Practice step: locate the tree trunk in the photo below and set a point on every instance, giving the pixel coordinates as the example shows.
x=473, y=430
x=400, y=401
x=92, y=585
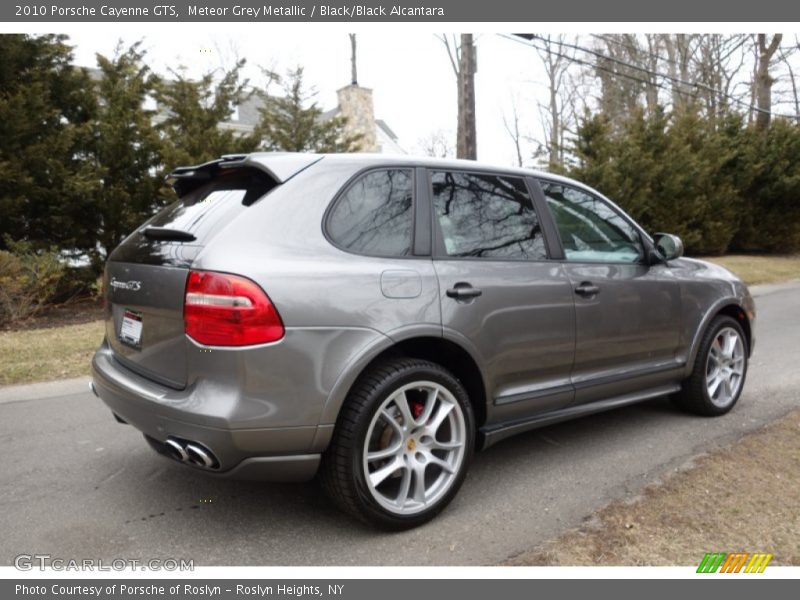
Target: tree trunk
x=555, y=126
x=764, y=81
x=467, y=142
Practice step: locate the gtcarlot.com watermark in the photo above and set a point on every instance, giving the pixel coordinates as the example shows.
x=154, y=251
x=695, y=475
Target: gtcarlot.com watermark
x=42, y=562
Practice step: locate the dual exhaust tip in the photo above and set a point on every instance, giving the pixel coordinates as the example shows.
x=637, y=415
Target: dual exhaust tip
x=193, y=453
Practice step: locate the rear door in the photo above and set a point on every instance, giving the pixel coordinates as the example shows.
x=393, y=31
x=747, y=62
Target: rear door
x=628, y=313
x=145, y=276
x=499, y=294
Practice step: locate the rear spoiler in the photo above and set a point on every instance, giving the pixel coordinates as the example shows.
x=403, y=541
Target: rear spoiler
x=280, y=166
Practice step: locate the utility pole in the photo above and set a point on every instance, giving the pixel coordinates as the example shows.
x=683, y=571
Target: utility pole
x=467, y=140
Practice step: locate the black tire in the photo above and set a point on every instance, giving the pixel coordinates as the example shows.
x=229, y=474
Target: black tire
x=694, y=395
x=342, y=471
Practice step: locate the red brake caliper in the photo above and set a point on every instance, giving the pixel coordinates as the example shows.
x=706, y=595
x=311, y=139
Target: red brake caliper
x=417, y=408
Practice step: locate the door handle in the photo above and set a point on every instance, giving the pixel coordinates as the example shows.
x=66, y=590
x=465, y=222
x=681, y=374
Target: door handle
x=587, y=288
x=463, y=291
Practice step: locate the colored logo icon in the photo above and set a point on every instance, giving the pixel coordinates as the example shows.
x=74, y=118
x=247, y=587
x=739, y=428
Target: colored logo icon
x=736, y=562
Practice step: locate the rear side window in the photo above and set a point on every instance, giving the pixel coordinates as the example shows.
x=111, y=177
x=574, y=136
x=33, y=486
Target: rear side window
x=375, y=215
x=486, y=216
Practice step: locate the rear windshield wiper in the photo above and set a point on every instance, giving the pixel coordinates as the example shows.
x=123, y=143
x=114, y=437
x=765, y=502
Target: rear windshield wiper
x=165, y=234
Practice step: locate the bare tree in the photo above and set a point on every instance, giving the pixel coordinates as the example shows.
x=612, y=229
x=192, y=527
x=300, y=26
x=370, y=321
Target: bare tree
x=464, y=62
x=785, y=55
x=718, y=62
x=437, y=144
x=512, y=127
x=556, y=58
x=681, y=50
x=763, y=80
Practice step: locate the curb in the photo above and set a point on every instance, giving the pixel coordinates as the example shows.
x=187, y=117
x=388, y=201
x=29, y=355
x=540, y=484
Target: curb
x=44, y=390
x=764, y=289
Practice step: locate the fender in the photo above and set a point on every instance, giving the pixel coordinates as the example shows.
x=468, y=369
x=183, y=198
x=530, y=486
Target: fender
x=709, y=315
x=368, y=353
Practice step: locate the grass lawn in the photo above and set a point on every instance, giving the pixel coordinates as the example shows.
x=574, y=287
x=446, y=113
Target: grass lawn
x=760, y=269
x=740, y=499
x=51, y=353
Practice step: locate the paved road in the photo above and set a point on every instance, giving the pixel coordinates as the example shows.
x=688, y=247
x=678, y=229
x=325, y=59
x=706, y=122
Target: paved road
x=76, y=484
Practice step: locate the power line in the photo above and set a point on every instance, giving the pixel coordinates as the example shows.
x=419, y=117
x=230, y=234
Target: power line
x=598, y=67
x=634, y=47
x=528, y=40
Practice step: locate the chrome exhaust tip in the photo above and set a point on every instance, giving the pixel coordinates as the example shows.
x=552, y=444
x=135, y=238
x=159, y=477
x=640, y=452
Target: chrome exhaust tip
x=176, y=450
x=199, y=456
x=193, y=453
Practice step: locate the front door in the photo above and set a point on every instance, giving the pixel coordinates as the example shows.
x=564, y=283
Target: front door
x=627, y=312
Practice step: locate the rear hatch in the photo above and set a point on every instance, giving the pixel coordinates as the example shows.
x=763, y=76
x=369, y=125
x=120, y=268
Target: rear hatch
x=145, y=276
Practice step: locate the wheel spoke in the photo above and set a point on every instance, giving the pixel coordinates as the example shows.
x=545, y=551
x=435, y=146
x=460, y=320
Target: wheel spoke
x=430, y=404
x=727, y=388
x=437, y=445
x=377, y=477
x=386, y=452
x=405, y=485
x=443, y=464
x=714, y=384
x=401, y=401
x=730, y=344
x=389, y=418
x=419, y=483
x=445, y=408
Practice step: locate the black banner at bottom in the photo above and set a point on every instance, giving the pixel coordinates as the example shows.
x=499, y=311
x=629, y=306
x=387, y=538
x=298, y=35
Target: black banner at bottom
x=396, y=589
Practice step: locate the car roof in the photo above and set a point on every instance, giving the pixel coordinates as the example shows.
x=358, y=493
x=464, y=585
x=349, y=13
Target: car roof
x=374, y=159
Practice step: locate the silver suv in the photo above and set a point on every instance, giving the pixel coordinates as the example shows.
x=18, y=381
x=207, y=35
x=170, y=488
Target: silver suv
x=377, y=319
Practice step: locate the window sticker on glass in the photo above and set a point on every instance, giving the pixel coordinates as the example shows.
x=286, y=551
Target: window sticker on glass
x=130, y=331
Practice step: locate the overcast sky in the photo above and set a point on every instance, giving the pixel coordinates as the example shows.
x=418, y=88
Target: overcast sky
x=410, y=73
x=407, y=68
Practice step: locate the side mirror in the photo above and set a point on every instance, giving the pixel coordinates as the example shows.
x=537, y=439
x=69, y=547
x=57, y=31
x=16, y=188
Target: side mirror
x=668, y=246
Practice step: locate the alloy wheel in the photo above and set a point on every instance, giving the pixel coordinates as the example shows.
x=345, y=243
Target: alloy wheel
x=725, y=367
x=414, y=447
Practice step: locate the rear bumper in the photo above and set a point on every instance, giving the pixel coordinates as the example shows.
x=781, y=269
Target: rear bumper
x=299, y=467
x=161, y=413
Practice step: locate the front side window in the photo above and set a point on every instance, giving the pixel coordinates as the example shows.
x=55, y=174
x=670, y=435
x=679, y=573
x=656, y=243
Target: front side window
x=375, y=215
x=590, y=230
x=486, y=216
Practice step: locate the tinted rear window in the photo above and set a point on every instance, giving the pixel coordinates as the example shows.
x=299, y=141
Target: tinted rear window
x=203, y=212
x=375, y=215
x=199, y=211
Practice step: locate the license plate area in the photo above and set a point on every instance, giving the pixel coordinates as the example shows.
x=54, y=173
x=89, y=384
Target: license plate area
x=130, y=330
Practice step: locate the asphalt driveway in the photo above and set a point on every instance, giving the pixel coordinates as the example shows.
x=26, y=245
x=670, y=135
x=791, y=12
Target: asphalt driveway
x=75, y=484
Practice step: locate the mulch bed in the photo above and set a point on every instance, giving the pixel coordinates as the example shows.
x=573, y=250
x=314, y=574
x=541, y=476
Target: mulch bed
x=71, y=313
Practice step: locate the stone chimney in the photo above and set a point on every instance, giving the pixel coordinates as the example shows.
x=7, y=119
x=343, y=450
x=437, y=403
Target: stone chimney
x=355, y=104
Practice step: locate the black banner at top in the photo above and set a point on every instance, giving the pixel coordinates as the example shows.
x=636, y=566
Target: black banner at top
x=264, y=11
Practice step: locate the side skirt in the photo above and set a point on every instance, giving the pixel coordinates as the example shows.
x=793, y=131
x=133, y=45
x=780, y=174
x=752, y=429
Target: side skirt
x=488, y=436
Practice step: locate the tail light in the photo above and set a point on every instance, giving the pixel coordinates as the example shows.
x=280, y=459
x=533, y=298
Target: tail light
x=228, y=310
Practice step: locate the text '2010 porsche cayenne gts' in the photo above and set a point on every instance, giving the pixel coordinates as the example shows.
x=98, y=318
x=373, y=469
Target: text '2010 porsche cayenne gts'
x=376, y=320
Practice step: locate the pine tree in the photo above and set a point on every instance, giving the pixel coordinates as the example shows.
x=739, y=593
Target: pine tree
x=293, y=122
x=47, y=185
x=193, y=111
x=127, y=148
